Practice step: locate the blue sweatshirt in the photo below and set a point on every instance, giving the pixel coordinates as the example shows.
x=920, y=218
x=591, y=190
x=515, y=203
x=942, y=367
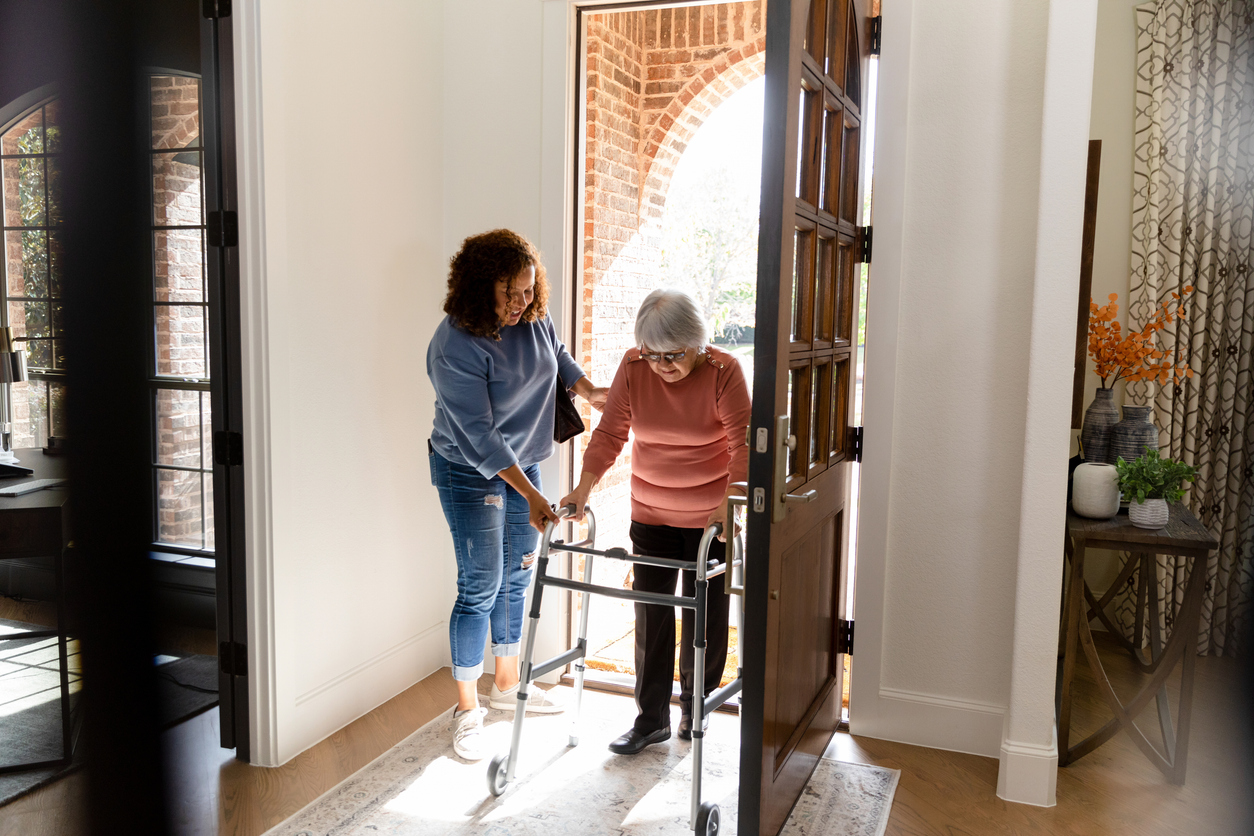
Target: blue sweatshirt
x=494, y=400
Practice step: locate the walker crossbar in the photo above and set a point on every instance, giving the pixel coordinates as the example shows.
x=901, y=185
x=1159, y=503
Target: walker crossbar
x=704, y=817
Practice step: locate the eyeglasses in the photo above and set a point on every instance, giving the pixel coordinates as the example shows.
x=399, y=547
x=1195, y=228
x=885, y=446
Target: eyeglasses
x=670, y=356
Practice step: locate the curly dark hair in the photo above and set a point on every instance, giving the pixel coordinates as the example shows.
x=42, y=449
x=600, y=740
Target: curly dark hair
x=484, y=260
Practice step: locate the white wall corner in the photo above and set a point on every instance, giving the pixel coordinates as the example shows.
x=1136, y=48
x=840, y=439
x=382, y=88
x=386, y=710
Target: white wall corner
x=1028, y=752
x=1027, y=773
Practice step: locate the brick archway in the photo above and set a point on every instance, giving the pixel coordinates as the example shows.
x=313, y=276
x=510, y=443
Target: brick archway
x=653, y=77
x=669, y=136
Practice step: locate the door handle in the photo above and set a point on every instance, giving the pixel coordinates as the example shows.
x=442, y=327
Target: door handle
x=785, y=444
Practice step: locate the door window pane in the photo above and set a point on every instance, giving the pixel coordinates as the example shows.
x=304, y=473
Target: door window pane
x=840, y=401
x=816, y=30
x=820, y=429
x=26, y=137
x=824, y=291
x=179, y=265
x=838, y=17
x=849, y=176
x=809, y=144
x=178, y=427
x=181, y=348
x=176, y=189
x=180, y=516
x=26, y=262
x=802, y=287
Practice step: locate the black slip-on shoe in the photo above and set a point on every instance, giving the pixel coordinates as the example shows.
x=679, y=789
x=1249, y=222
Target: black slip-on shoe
x=633, y=741
x=685, y=725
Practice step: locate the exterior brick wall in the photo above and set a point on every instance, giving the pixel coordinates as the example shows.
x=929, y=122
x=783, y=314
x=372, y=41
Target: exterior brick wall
x=653, y=77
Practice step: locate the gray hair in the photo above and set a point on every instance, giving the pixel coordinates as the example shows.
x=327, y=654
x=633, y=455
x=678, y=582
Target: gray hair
x=669, y=320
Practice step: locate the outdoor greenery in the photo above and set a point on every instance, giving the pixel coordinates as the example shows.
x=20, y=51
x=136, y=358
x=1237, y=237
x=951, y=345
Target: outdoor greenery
x=38, y=206
x=1152, y=477
x=710, y=247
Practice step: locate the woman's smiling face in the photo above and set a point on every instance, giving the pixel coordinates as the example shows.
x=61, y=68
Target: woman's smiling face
x=513, y=296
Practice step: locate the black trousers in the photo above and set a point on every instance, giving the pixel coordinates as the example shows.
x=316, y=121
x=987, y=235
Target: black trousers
x=655, y=624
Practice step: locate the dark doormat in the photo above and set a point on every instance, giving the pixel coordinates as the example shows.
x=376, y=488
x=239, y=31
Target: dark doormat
x=30, y=703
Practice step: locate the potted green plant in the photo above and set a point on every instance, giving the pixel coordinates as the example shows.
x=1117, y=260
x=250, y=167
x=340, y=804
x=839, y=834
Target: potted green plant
x=1150, y=483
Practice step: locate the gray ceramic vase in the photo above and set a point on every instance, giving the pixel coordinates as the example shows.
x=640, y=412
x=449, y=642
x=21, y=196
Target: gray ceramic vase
x=1130, y=437
x=1098, y=419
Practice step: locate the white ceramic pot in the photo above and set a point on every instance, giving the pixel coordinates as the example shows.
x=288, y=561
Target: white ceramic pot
x=1095, y=491
x=1150, y=514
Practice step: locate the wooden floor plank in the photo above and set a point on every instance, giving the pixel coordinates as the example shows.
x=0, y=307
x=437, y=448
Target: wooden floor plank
x=1112, y=791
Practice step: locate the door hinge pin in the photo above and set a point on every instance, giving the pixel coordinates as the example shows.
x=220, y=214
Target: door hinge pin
x=877, y=28
x=844, y=637
x=864, y=244
x=855, y=444
x=222, y=229
x=228, y=448
x=215, y=9
x=233, y=658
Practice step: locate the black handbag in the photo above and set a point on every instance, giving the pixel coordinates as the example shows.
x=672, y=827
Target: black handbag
x=567, y=422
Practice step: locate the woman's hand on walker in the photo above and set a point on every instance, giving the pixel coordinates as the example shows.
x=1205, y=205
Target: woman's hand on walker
x=579, y=496
x=540, y=512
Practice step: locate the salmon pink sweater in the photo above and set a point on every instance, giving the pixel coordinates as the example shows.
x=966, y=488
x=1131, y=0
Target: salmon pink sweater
x=689, y=437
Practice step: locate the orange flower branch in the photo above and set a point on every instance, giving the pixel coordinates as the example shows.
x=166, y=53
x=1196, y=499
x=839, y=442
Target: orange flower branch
x=1133, y=356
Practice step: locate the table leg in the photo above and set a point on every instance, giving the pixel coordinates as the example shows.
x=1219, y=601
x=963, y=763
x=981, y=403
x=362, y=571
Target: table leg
x=1075, y=602
x=1150, y=574
x=1142, y=586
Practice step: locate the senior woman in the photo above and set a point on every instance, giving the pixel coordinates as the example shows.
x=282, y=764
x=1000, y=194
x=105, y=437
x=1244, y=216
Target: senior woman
x=688, y=406
x=494, y=362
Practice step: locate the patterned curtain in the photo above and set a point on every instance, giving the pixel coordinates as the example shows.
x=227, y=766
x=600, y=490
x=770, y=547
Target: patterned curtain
x=1193, y=224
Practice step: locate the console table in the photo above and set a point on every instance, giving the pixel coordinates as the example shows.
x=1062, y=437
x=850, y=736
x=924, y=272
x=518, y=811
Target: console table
x=1184, y=536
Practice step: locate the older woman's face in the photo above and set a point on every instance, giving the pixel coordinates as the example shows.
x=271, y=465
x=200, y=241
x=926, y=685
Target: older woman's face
x=514, y=296
x=672, y=369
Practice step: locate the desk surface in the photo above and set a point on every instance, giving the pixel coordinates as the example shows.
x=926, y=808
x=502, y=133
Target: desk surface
x=1183, y=530
x=45, y=467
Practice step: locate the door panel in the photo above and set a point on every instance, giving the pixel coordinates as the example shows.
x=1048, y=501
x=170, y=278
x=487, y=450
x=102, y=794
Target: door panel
x=804, y=357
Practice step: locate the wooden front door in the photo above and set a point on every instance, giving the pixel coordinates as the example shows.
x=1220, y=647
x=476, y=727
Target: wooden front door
x=805, y=357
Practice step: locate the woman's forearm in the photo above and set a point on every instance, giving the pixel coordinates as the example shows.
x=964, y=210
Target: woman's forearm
x=516, y=479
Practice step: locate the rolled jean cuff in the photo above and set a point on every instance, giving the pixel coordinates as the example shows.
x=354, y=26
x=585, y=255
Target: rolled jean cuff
x=506, y=649
x=469, y=674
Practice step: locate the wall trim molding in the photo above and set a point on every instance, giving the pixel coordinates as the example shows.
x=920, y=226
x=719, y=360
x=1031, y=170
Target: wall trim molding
x=1027, y=773
x=938, y=722
x=256, y=385
x=382, y=656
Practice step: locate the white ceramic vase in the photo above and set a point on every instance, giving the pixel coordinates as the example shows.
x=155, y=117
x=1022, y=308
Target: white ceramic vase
x=1095, y=490
x=1152, y=513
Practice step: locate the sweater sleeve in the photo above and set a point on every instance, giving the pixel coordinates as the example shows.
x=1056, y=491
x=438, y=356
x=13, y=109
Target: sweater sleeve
x=615, y=425
x=462, y=387
x=735, y=412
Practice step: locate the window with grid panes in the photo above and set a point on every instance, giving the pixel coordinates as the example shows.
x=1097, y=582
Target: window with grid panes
x=179, y=371
x=29, y=156
x=825, y=257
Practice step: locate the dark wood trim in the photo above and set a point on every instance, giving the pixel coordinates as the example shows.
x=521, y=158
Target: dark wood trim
x=1086, y=280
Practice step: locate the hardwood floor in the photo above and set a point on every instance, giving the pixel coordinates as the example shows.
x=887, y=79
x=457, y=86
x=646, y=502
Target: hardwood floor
x=1112, y=791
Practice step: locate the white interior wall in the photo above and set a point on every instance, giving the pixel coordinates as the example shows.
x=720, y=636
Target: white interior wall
x=343, y=254
x=938, y=538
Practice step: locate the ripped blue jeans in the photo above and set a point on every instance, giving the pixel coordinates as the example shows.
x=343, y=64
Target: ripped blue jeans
x=492, y=537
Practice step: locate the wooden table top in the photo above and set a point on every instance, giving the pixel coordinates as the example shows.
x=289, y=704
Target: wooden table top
x=1183, y=530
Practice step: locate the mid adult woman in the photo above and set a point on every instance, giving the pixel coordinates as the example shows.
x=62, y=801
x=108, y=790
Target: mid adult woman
x=494, y=361
x=688, y=406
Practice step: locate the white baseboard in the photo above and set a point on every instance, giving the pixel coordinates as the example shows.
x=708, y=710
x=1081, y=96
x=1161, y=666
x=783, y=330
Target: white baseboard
x=935, y=722
x=323, y=710
x=1028, y=773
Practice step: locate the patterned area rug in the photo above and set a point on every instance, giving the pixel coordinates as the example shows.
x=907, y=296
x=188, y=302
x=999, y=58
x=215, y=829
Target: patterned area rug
x=420, y=787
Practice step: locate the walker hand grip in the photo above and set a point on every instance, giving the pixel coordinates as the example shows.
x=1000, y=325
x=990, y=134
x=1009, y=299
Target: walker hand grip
x=566, y=511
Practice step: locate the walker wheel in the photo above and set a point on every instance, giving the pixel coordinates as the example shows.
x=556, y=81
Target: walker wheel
x=707, y=819
x=497, y=770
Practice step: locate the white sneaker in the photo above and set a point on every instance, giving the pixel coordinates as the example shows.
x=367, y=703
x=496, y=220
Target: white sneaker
x=539, y=701
x=469, y=741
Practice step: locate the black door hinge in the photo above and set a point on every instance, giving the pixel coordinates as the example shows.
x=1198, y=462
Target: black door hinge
x=855, y=444
x=223, y=229
x=877, y=25
x=844, y=637
x=228, y=448
x=864, y=245
x=233, y=658
x=215, y=9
